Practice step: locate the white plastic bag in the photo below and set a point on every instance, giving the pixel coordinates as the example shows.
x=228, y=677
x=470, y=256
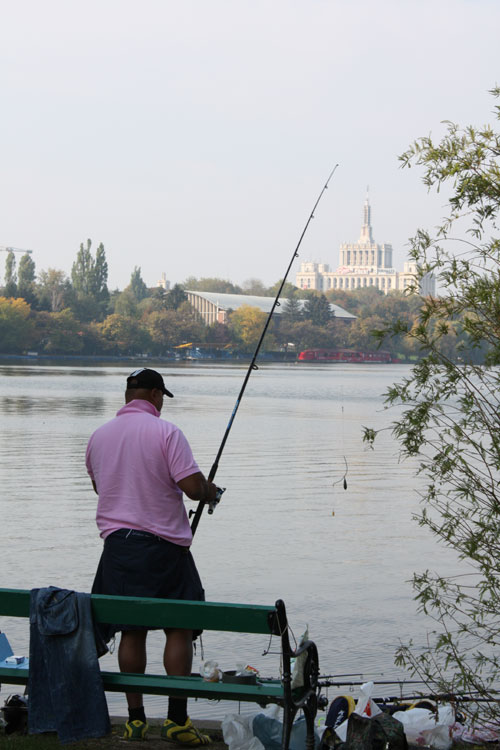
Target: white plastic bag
x=365, y=706
x=423, y=727
x=238, y=733
x=237, y=730
x=298, y=663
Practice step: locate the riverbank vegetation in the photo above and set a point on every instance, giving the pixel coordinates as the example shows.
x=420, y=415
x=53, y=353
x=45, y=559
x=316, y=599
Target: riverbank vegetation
x=52, y=314
x=450, y=419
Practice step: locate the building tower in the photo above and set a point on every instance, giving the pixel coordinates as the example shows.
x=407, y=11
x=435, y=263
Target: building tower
x=362, y=264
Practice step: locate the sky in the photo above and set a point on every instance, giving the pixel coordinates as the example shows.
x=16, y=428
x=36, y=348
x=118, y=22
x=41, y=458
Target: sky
x=192, y=137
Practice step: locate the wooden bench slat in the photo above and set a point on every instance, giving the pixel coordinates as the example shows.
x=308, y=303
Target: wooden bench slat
x=16, y=676
x=266, y=692
x=161, y=613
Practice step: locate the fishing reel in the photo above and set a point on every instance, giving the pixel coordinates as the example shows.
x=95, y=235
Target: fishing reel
x=214, y=503
x=211, y=504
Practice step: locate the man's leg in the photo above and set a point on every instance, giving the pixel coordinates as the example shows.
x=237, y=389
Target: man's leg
x=178, y=660
x=132, y=658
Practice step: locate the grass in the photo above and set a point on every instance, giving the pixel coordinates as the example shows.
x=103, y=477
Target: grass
x=114, y=740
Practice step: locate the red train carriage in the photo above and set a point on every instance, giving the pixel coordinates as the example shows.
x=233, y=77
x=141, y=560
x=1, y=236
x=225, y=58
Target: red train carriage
x=345, y=355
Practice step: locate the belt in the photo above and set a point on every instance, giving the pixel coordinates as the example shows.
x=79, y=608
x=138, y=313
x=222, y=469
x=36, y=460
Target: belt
x=126, y=533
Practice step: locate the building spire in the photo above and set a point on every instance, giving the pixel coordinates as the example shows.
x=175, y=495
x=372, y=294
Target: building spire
x=366, y=236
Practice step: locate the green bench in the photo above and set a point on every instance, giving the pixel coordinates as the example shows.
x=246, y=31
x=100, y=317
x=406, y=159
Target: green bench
x=168, y=613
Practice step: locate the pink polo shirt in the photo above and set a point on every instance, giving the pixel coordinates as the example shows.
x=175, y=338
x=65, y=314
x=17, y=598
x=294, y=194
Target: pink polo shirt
x=136, y=460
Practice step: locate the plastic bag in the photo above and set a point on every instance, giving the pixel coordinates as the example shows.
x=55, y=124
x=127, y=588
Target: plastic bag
x=299, y=662
x=365, y=706
x=477, y=735
x=210, y=671
x=262, y=731
x=269, y=731
x=238, y=733
x=423, y=727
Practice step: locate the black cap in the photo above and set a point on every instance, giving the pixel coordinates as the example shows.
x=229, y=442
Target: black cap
x=149, y=379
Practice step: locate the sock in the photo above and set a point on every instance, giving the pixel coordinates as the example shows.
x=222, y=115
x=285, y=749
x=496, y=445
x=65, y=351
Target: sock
x=137, y=714
x=177, y=710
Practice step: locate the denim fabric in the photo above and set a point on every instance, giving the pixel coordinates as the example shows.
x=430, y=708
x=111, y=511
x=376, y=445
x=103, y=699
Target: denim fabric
x=65, y=692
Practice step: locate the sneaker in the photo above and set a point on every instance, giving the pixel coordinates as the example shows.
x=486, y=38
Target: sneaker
x=135, y=730
x=185, y=734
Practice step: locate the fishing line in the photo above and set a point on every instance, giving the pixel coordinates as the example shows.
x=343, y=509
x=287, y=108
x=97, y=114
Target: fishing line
x=344, y=478
x=252, y=366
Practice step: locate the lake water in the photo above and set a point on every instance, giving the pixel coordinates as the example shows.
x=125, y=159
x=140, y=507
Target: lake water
x=286, y=528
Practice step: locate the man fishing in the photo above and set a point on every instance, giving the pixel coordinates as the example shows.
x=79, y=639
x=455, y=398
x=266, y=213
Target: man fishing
x=140, y=466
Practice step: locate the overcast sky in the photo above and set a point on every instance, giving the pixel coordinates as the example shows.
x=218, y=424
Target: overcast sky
x=193, y=137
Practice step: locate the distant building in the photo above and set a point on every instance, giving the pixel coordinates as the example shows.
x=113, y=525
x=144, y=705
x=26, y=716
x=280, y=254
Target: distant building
x=213, y=307
x=363, y=264
x=164, y=282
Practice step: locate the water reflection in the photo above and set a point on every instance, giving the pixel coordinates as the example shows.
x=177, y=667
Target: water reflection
x=25, y=404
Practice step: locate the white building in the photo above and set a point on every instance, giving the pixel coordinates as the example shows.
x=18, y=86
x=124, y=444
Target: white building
x=164, y=282
x=214, y=306
x=363, y=264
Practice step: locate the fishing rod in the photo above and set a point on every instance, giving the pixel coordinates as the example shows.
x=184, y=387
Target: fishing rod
x=252, y=366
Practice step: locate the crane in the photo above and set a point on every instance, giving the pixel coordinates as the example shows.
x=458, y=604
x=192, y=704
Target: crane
x=14, y=250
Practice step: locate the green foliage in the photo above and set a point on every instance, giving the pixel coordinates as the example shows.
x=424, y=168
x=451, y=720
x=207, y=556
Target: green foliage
x=169, y=328
x=304, y=334
x=287, y=291
x=89, y=278
x=175, y=297
x=59, y=333
x=52, y=289
x=125, y=303
x=10, y=289
x=247, y=324
x=16, y=325
x=223, y=286
x=26, y=279
x=254, y=287
x=122, y=335
x=137, y=285
x=317, y=310
x=450, y=419
x=292, y=311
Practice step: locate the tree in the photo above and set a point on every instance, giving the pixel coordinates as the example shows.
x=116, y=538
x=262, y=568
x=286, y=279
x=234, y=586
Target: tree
x=26, y=279
x=121, y=335
x=223, y=286
x=59, y=332
x=292, y=310
x=137, y=285
x=287, y=291
x=168, y=328
x=16, y=325
x=53, y=287
x=89, y=277
x=254, y=287
x=125, y=303
x=450, y=414
x=10, y=289
x=175, y=297
x=317, y=310
x=305, y=335
x=360, y=332
x=247, y=323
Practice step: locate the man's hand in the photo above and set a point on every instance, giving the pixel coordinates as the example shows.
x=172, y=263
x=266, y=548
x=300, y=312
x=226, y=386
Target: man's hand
x=196, y=487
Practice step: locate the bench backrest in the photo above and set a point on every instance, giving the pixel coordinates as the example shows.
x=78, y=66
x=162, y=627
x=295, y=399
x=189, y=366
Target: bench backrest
x=165, y=613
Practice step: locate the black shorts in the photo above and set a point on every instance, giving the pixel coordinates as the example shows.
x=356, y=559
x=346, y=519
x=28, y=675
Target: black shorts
x=137, y=563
